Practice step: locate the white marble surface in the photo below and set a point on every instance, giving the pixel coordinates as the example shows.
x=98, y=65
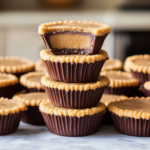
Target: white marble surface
x=39, y=138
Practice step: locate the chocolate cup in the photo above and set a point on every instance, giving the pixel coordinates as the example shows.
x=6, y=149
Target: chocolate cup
x=127, y=91
x=107, y=120
x=131, y=126
x=33, y=116
x=9, y=123
x=74, y=99
x=95, y=44
x=8, y=91
x=142, y=77
x=74, y=72
x=73, y=126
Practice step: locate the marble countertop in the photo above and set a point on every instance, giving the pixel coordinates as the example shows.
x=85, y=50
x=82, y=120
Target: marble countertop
x=39, y=138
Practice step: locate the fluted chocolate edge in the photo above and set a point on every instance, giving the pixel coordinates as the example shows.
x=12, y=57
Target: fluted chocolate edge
x=131, y=126
x=74, y=99
x=127, y=91
x=8, y=91
x=142, y=77
x=33, y=116
x=73, y=126
x=74, y=72
x=9, y=123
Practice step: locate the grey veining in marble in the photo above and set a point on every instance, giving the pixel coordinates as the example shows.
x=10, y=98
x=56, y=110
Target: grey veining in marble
x=39, y=138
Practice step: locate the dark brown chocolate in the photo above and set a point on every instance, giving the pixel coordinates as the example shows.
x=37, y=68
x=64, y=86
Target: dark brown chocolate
x=73, y=126
x=9, y=123
x=127, y=91
x=33, y=116
x=74, y=72
x=142, y=77
x=74, y=99
x=95, y=45
x=107, y=120
x=131, y=126
x=8, y=91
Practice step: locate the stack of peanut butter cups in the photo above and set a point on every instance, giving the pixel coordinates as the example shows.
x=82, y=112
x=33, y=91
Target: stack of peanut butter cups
x=73, y=61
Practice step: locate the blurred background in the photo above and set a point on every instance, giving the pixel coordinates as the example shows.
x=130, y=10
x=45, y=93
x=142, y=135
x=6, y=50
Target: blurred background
x=129, y=21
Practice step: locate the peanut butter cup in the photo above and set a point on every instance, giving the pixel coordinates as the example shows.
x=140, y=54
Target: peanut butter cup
x=74, y=95
x=139, y=66
x=131, y=116
x=8, y=85
x=39, y=66
x=10, y=115
x=74, y=68
x=16, y=65
x=32, y=101
x=72, y=122
x=106, y=99
x=112, y=64
x=121, y=83
x=73, y=37
x=31, y=81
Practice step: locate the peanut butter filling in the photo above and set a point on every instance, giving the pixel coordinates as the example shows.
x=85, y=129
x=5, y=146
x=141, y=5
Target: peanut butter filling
x=12, y=63
x=102, y=55
x=34, y=96
x=32, y=80
x=36, y=78
x=139, y=105
x=7, y=79
x=2, y=77
x=32, y=99
x=112, y=64
x=7, y=104
x=48, y=108
x=10, y=107
x=120, y=79
x=87, y=27
x=107, y=98
x=101, y=82
x=131, y=107
x=142, y=61
x=70, y=41
x=15, y=65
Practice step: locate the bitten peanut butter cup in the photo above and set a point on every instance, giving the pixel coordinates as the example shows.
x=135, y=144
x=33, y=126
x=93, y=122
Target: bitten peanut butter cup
x=74, y=95
x=74, y=68
x=32, y=101
x=106, y=99
x=112, y=64
x=31, y=82
x=72, y=122
x=73, y=37
x=140, y=67
x=131, y=116
x=8, y=85
x=121, y=83
x=16, y=65
x=10, y=115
